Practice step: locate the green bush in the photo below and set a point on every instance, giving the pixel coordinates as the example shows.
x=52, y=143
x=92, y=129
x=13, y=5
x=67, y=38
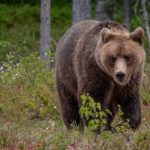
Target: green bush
x=92, y=112
x=27, y=87
x=19, y=29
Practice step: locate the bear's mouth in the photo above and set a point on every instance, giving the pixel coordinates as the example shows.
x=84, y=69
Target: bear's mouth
x=122, y=83
x=121, y=80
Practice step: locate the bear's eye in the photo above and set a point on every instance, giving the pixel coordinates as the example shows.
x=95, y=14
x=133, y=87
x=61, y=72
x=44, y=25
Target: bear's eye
x=112, y=59
x=127, y=58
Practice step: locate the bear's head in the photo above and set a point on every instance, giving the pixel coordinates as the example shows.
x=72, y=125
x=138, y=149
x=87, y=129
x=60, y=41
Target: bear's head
x=120, y=54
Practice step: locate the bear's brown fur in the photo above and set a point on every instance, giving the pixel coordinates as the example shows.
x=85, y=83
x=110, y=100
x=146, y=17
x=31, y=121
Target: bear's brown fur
x=104, y=60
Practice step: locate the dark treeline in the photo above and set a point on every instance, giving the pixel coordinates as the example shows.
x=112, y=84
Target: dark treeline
x=32, y=2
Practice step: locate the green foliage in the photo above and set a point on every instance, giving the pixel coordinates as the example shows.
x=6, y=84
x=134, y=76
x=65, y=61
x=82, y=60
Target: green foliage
x=17, y=34
x=146, y=85
x=146, y=97
x=4, y=138
x=14, y=49
x=61, y=20
x=92, y=112
x=117, y=14
x=142, y=140
x=20, y=27
x=27, y=87
x=122, y=126
x=96, y=118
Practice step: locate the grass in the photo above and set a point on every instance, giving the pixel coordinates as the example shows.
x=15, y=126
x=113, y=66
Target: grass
x=29, y=114
x=50, y=134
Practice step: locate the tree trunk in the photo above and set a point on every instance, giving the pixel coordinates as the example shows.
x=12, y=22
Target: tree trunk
x=81, y=10
x=45, y=30
x=101, y=10
x=146, y=23
x=127, y=11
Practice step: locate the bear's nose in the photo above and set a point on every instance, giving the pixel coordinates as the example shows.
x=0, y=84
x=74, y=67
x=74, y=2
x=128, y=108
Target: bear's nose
x=120, y=76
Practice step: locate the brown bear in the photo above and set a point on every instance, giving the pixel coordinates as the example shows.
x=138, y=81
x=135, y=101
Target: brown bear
x=104, y=60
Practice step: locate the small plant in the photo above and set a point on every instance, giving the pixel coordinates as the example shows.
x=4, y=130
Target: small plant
x=4, y=138
x=146, y=96
x=92, y=112
x=123, y=126
x=27, y=88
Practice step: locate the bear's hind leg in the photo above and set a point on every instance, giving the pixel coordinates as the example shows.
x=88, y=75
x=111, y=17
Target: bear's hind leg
x=69, y=106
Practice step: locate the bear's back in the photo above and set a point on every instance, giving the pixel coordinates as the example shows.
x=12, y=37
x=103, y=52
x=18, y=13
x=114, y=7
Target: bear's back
x=65, y=52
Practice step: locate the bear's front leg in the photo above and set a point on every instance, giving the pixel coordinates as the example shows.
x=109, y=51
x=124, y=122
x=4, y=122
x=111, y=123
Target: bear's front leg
x=132, y=110
x=110, y=116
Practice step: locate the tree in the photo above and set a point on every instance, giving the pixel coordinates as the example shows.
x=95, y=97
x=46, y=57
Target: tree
x=81, y=10
x=45, y=29
x=101, y=10
x=146, y=22
x=127, y=12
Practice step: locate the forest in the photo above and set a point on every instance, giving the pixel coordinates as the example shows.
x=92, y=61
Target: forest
x=29, y=107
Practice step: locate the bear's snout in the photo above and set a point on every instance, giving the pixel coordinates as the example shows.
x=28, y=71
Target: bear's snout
x=120, y=76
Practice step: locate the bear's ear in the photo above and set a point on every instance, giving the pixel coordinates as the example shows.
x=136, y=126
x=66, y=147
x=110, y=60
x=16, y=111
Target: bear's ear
x=138, y=35
x=106, y=35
